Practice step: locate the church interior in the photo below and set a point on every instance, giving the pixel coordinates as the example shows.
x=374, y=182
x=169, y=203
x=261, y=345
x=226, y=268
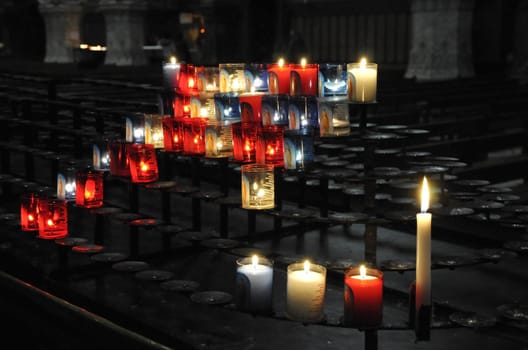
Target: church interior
x=243, y=174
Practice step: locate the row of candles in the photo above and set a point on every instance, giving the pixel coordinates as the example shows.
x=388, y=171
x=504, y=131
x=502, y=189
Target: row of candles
x=267, y=146
x=306, y=289
x=357, y=80
x=363, y=287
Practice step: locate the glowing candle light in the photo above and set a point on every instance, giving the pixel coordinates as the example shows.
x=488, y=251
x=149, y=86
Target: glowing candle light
x=254, y=284
x=306, y=287
x=89, y=192
x=363, y=297
x=362, y=81
x=304, y=79
x=53, y=218
x=29, y=212
x=423, y=257
x=279, y=77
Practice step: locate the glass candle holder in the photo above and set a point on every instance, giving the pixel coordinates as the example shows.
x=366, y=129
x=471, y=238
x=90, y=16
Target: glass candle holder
x=172, y=134
x=258, y=192
x=181, y=105
x=203, y=106
x=256, y=77
x=119, y=159
x=101, y=154
x=362, y=81
x=303, y=79
x=231, y=77
x=275, y=109
x=333, y=116
x=251, y=107
x=305, y=292
x=89, y=193
x=227, y=106
x=270, y=145
x=254, y=284
x=279, y=78
x=244, y=141
x=194, y=135
x=53, y=218
x=363, y=304
x=135, y=128
x=218, y=139
x=154, y=130
x=29, y=211
x=298, y=149
x=180, y=77
x=332, y=79
x=142, y=162
x=66, y=183
x=303, y=112
x=171, y=73
x=208, y=79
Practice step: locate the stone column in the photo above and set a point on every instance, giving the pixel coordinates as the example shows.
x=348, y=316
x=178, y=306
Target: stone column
x=520, y=49
x=62, y=19
x=441, y=42
x=125, y=35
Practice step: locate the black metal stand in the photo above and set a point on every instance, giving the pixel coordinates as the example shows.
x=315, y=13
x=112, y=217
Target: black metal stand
x=371, y=339
x=323, y=207
x=277, y=175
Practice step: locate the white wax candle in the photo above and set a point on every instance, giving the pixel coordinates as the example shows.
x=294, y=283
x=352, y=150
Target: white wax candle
x=171, y=73
x=305, y=292
x=423, y=251
x=362, y=83
x=256, y=280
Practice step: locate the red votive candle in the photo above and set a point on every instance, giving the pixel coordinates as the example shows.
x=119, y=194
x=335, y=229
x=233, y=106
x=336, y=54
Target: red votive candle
x=29, y=212
x=270, y=145
x=303, y=79
x=279, y=78
x=53, y=218
x=251, y=107
x=89, y=191
x=172, y=134
x=363, y=297
x=143, y=162
x=244, y=141
x=118, y=159
x=194, y=135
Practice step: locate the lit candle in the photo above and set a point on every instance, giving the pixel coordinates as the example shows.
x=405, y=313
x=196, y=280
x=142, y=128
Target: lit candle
x=53, y=218
x=143, y=163
x=257, y=182
x=29, y=212
x=171, y=73
x=303, y=79
x=423, y=254
x=254, y=284
x=363, y=297
x=306, y=286
x=279, y=77
x=362, y=81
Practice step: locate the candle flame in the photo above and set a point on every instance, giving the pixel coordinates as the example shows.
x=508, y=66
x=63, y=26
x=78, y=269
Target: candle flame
x=30, y=217
x=363, y=272
x=281, y=62
x=254, y=261
x=173, y=60
x=425, y=196
x=363, y=63
x=306, y=266
x=50, y=222
x=303, y=62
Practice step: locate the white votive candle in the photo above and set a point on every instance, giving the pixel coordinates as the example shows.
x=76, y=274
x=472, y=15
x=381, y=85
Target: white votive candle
x=254, y=288
x=305, y=289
